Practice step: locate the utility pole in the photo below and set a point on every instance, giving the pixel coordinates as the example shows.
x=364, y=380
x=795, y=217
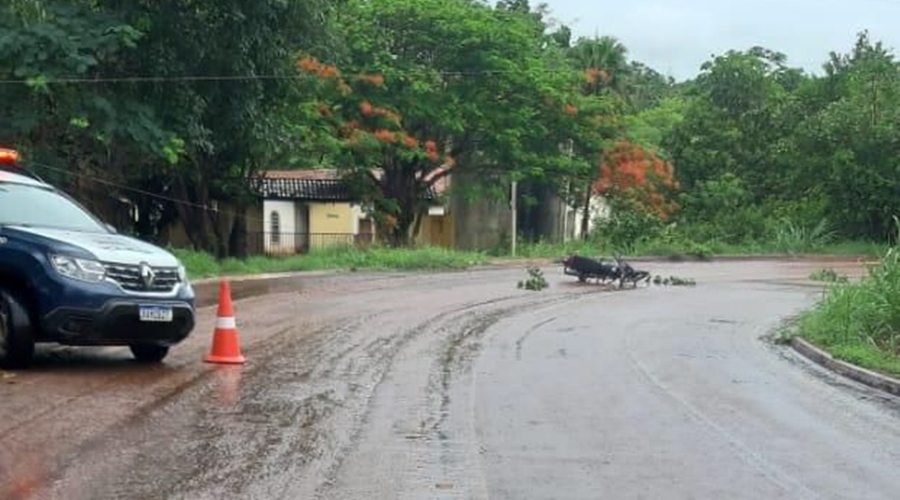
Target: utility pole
x=565, y=235
x=512, y=206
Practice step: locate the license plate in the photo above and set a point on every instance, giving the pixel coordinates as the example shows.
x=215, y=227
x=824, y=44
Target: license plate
x=155, y=314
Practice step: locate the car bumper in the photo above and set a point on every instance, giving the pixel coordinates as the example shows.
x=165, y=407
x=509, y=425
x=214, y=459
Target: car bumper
x=118, y=323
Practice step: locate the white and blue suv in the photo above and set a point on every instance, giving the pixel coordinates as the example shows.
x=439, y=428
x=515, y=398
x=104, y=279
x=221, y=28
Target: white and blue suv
x=67, y=278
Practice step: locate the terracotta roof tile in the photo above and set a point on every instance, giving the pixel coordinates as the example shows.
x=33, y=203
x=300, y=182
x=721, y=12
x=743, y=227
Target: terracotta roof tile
x=312, y=185
x=303, y=189
x=318, y=174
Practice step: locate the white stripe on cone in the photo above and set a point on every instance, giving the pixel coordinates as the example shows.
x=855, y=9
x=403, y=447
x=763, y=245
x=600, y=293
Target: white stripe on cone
x=226, y=323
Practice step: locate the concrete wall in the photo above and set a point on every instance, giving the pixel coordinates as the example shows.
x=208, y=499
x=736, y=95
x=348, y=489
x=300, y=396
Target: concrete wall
x=331, y=224
x=436, y=230
x=479, y=224
x=254, y=219
x=331, y=218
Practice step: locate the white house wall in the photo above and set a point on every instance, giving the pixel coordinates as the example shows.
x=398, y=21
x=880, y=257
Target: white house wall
x=599, y=210
x=287, y=220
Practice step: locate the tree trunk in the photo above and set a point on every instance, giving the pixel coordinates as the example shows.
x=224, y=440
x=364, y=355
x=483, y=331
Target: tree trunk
x=237, y=243
x=586, y=217
x=194, y=217
x=401, y=234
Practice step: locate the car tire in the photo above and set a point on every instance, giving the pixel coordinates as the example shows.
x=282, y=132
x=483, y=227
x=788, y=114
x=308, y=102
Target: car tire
x=149, y=353
x=16, y=332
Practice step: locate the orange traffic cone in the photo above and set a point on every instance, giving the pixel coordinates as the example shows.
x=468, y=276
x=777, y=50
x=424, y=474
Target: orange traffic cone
x=226, y=346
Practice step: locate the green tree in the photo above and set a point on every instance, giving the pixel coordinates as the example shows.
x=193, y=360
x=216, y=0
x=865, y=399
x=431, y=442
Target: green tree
x=175, y=97
x=850, y=144
x=54, y=111
x=736, y=123
x=475, y=82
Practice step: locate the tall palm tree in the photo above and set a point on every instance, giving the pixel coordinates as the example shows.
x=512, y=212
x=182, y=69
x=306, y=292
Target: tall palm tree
x=605, y=63
x=605, y=60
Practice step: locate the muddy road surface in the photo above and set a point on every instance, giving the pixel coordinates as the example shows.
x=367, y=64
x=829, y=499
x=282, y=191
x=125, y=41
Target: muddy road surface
x=459, y=385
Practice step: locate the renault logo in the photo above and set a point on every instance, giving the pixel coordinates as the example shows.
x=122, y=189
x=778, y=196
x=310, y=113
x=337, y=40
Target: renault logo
x=147, y=275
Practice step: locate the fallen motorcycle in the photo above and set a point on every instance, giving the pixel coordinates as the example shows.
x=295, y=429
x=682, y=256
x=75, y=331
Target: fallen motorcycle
x=630, y=274
x=604, y=271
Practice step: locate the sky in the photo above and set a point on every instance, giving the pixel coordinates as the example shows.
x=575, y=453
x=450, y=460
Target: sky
x=675, y=37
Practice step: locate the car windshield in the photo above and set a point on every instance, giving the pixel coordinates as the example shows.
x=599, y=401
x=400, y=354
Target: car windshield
x=25, y=205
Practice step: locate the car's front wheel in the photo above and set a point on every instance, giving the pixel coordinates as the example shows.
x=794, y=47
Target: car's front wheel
x=149, y=353
x=16, y=332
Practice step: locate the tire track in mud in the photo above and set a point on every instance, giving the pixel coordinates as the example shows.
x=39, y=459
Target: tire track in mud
x=153, y=443
x=280, y=424
x=337, y=391
x=410, y=417
x=55, y=361
x=316, y=387
x=124, y=391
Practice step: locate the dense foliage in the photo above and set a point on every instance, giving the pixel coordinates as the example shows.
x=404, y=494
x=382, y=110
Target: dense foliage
x=162, y=110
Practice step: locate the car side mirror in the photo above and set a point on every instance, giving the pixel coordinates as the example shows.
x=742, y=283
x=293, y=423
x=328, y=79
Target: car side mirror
x=111, y=228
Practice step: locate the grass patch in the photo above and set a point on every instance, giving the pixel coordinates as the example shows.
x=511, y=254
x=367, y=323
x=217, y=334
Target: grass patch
x=860, y=322
x=202, y=265
x=828, y=276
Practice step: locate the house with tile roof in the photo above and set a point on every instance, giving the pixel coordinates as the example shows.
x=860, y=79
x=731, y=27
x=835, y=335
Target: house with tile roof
x=300, y=210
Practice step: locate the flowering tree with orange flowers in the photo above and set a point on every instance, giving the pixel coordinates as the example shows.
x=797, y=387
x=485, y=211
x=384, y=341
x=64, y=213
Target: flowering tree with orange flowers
x=392, y=168
x=475, y=92
x=629, y=170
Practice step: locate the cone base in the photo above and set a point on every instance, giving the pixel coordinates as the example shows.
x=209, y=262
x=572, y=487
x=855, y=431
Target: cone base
x=229, y=360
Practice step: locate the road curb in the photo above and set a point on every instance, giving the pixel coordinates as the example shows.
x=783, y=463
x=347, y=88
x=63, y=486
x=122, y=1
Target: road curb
x=861, y=375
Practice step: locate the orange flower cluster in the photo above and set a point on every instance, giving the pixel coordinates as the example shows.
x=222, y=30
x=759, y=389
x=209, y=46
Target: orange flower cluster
x=592, y=75
x=373, y=79
x=385, y=136
x=315, y=67
x=432, y=151
x=628, y=168
x=367, y=109
x=388, y=114
x=410, y=141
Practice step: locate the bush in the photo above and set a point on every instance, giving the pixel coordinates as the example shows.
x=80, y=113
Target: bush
x=722, y=210
x=628, y=226
x=791, y=238
x=860, y=322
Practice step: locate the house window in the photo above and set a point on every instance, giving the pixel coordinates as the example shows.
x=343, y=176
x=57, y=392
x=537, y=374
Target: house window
x=275, y=224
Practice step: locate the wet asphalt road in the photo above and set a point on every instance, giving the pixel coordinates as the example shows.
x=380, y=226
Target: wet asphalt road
x=458, y=385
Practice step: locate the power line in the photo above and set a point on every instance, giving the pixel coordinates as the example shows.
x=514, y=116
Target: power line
x=216, y=78
x=143, y=192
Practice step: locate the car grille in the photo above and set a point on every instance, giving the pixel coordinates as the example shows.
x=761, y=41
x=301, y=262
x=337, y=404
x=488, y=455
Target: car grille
x=129, y=278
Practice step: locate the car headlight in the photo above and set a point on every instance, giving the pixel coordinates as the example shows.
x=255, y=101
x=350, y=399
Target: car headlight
x=182, y=274
x=79, y=269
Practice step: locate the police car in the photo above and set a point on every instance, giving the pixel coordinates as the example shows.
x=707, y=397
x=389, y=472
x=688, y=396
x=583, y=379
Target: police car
x=68, y=278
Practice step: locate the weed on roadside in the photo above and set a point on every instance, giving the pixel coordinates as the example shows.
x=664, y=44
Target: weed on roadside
x=535, y=282
x=673, y=281
x=828, y=276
